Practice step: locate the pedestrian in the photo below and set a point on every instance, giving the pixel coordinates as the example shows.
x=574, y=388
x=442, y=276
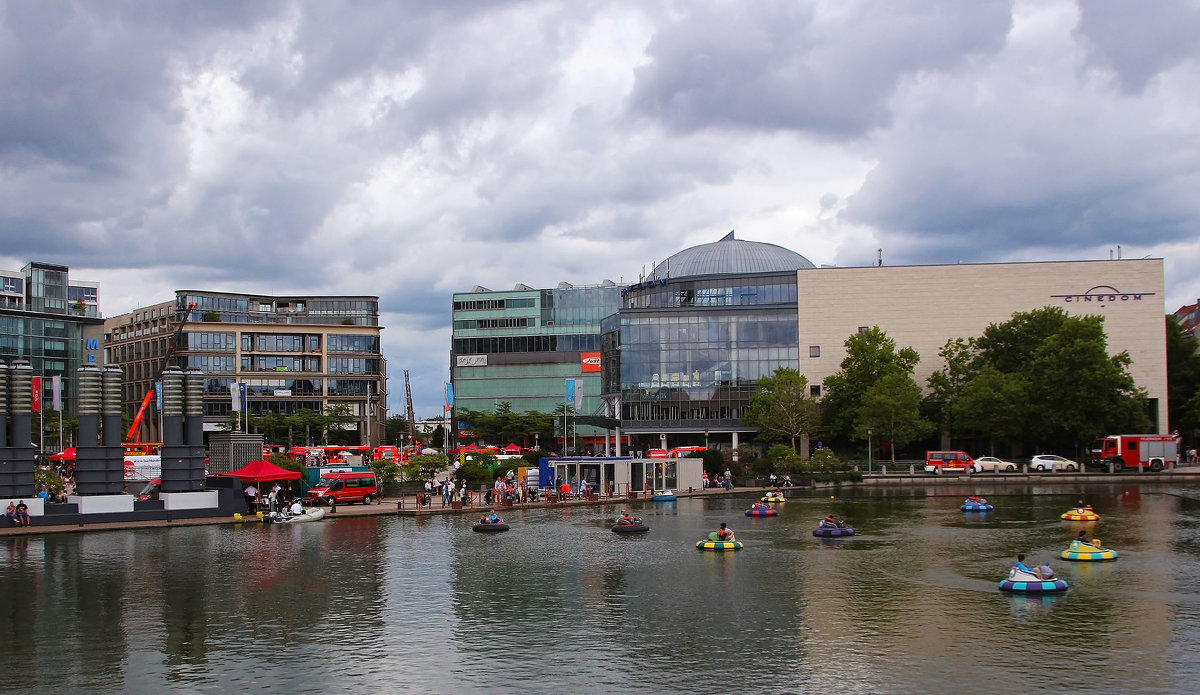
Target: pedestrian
x=251, y=497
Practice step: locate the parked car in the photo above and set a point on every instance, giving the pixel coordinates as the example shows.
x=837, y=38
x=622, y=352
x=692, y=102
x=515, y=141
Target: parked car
x=993, y=464
x=1050, y=462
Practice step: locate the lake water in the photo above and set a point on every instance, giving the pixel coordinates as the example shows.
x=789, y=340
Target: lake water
x=560, y=604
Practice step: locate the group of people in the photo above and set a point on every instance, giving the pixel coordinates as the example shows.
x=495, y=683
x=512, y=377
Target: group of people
x=18, y=513
x=830, y=522
x=784, y=481
x=491, y=518
x=1043, y=571
x=277, y=500
x=626, y=520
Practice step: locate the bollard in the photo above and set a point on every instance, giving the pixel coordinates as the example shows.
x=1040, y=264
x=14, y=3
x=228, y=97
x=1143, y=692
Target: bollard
x=400, y=504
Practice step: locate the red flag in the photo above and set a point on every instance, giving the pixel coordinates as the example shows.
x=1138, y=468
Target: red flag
x=37, y=394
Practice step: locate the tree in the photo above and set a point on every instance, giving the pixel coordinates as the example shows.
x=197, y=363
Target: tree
x=892, y=406
x=1042, y=378
x=782, y=408
x=1183, y=380
x=870, y=355
x=946, y=386
x=332, y=420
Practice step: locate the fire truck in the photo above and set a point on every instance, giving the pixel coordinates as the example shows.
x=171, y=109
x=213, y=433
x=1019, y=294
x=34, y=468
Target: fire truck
x=1152, y=451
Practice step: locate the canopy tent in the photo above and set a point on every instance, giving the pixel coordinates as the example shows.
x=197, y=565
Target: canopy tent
x=263, y=471
x=511, y=449
x=67, y=454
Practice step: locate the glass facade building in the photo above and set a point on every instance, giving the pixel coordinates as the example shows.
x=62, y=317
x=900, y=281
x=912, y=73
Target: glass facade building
x=521, y=347
x=682, y=356
x=53, y=322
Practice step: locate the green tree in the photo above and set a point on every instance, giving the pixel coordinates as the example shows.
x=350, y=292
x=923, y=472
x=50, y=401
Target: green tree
x=946, y=385
x=782, y=408
x=1183, y=380
x=892, y=406
x=870, y=356
x=332, y=421
x=1043, y=378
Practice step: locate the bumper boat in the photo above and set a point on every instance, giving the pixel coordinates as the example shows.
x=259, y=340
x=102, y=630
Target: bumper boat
x=636, y=527
x=976, y=505
x=664, y=496
x=313, y=514
x=828, y=530
x=772, y=498
x=1080, y=514
x=713, y=544
x=761, y=510
x=490, y=527
x=1022, y=582
x=1085, y=552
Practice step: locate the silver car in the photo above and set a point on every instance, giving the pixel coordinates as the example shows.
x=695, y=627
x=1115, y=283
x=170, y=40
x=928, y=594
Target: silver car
x=1050, y=462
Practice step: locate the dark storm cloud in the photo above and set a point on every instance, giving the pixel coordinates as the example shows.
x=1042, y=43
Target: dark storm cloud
x=1139, y=41
x=787, y=65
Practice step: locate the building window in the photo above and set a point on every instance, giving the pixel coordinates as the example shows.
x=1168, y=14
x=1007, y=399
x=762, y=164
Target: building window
x=814, y=390
x=862, y=330
x=814, y=350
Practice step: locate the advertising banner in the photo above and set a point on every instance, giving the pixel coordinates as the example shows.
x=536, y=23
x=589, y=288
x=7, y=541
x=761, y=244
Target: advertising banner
x=589, y=361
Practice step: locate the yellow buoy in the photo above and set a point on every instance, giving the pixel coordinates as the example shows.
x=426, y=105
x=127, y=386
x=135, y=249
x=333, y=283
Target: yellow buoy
x=259, y=515
x=237, y=516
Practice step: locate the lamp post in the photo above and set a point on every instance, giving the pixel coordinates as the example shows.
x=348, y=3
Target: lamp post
x=869, y=433
x=706, y=439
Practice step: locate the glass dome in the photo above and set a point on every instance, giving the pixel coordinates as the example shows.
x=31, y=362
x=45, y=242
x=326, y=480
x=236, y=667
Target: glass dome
x=729, y=256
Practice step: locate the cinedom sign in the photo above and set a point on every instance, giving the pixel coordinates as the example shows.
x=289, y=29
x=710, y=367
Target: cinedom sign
x=1103, y=295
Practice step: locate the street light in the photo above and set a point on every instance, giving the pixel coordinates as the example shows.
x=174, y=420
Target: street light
x=706, y=439
x=869, y=433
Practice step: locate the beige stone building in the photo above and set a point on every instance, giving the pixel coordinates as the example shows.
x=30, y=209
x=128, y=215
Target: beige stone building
x=924, y=306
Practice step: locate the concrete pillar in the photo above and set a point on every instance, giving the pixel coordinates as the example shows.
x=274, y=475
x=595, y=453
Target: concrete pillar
x=735, y=446
x=111, y=406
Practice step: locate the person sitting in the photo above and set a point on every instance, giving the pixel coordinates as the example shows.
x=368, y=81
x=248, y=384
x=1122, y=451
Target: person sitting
x=1082, y=539
x=974, y=500
x=297, y=508
x=625, y=519
x=1044, y=571
x=724, y=533
x=830, y=522
x=22, y=518
x=1020, y=564
x=787, y=481
x=493, y=517
x=11, y=513
x=759, y=507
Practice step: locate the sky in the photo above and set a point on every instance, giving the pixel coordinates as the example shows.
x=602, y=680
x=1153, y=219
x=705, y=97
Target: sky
x=411, y=150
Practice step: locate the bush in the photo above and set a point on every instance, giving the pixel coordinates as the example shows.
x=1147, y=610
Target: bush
x=48, y=479
x=476, y=473
x=426, y=465
x=386, y=472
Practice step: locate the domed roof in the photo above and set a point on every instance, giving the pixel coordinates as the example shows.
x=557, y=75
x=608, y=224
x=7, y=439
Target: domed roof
x=729, y=256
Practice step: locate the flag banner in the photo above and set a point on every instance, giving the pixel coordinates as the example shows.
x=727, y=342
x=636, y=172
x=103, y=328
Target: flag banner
x=579, y=397
x=235, y=398
x=449, y=397
x=56, y=391
x=570, y=392
x=158, y=395
x=37, y=394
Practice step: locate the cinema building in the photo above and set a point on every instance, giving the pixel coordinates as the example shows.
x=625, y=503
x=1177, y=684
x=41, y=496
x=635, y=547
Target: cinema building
x=682, y=355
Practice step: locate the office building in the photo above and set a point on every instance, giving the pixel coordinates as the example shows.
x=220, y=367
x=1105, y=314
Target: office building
x=288, y=353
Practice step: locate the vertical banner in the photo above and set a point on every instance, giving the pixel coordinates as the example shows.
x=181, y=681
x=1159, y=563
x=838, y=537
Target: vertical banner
x=235, y=398
x=449, y=397
x=579, y=397
x=570, y=400
x=37, y=394
x=56, y=391
x=158, y=396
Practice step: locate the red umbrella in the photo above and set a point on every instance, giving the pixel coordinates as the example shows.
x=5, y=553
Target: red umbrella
x=263, y=471
x=67, y=454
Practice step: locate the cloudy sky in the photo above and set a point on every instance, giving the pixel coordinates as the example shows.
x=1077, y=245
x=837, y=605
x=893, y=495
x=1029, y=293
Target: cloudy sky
x=415, y=149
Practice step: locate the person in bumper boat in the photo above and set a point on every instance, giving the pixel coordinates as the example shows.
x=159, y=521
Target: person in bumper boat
x=625, y=519
x=1083, y=540
x=1043, y=572
x=724, y=533
x=830, y=522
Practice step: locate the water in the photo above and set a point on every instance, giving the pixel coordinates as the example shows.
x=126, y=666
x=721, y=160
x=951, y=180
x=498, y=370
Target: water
x=560, y=604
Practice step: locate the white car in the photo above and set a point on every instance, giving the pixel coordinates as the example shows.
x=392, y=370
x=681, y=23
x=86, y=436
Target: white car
x=1050, y=462
x=993, y=464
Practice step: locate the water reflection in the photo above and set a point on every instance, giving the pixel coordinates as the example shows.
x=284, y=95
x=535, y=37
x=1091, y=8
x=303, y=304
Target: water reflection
x=561, y=603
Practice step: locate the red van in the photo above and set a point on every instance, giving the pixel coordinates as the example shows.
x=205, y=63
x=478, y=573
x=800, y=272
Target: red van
x=938, y=462
x=345, y=487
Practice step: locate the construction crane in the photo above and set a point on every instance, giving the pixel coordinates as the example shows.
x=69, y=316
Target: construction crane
x=412, y=423
x=133, y=435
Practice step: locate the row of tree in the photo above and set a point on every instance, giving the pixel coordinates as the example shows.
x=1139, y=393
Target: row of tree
x=1043, y=380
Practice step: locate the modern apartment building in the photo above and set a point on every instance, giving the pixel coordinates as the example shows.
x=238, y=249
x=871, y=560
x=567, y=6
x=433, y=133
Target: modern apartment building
x=53, y=322
x=288, y=353
x=537, y=349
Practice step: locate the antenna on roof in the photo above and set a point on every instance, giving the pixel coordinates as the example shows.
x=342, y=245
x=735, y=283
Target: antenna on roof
x=879, y=253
